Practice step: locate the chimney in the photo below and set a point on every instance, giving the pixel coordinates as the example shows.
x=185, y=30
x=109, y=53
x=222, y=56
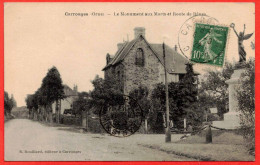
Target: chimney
x=75, y=88
x=176, y=48
x=139, y=31
x=119, y=45
x=108, y=58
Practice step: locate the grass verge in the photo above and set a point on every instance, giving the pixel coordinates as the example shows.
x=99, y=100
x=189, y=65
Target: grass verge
x=226, y=146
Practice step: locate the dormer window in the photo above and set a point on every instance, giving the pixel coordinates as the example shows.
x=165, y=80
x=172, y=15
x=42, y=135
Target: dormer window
x=139, y=59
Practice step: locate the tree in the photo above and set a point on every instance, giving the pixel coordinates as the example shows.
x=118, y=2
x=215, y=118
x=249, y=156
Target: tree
x=13, y=101
x=140, y=95
x=188, y=93
x=29, y=104
x=214, y=90
x=188, y=87
x=8, y=104
x=105, y=92
x=81, y=107
x=81, y=103
x=51, y=91
x=32, y=103
x=246, y=103
x=182, y=99
x=158, y=106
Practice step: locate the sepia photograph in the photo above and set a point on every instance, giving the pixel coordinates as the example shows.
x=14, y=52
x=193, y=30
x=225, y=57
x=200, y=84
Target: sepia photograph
x=150, y=81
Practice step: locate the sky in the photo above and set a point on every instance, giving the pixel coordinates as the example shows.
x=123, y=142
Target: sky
x=38, y=36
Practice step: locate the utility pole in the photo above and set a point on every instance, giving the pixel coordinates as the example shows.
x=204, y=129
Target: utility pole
x=167, y=130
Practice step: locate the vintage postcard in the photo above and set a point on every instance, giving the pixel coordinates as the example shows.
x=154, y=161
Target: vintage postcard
x=129, y=81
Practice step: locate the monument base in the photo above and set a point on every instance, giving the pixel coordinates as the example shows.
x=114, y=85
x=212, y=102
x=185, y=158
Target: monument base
x=231, y=121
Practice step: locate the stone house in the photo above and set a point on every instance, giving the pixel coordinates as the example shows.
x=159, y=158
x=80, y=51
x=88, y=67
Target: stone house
x=67, y=103
x=140, y=63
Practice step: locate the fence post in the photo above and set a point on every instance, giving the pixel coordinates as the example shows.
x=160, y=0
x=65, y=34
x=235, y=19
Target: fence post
x=185, y=124
x=146, y=125
x=208, y=134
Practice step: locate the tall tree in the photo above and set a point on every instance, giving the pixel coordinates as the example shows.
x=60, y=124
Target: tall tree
x=188, y=92
x=13, y=100
x=52, y=91
x=188, y=87
x=32, y=102
x=182, y=99
x=29, y=104
x=140, y=95
x=8, y=104
x=158, y=106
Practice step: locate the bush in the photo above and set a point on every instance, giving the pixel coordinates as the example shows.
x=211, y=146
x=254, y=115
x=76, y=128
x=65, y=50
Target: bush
x=157, y=123
x=94, y=126
x=70, y=120
x=246, y=103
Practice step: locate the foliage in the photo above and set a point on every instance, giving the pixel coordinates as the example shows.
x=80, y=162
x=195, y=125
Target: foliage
x=140, y=95
x=105, y=92
x=51, y=89
x=188, y=87
x=8, y=104
x=246, y=103
x=120, y=119
x=213, y=91
x=13, y=101
x=182, y=99
x=158, y=108
x=81, y=103
x=70, y=120
x=188, y=94
x=94, y=126
x=194, y=115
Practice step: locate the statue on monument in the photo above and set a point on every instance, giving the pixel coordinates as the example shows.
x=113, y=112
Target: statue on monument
x=241, y=37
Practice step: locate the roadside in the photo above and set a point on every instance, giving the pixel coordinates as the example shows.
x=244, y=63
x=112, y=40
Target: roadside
x=226, y=146
x=16, y=112
x=38, y=142
x=8, y=118
x=71, y=128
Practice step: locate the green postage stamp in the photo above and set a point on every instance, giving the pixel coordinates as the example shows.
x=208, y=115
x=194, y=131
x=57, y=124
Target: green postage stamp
x=209, y=44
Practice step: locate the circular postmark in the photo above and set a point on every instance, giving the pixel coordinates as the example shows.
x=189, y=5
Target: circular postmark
x=123, y=118
x=187, y=32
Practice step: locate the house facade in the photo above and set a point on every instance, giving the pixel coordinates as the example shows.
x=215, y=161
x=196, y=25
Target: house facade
x=140, y=63
x=67, y=103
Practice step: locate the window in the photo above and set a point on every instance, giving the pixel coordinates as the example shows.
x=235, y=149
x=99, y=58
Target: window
x=139, y=59
x=118, y=74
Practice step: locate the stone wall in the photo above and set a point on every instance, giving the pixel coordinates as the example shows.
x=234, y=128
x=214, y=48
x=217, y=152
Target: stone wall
x=116, y=73
x=130, y=76
x=147, y=75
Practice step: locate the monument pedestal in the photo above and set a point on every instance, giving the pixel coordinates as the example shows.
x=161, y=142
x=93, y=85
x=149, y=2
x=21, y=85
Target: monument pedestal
x=231, y=118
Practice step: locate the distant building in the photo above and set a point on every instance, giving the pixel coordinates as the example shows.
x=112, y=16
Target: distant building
x=70, y=97
x=139, y=62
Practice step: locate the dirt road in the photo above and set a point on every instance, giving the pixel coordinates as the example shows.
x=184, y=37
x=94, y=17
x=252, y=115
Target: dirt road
x=27, y=140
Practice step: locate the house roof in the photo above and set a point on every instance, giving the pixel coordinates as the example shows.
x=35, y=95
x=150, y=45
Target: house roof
x=175, y=62
x=68, y=91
